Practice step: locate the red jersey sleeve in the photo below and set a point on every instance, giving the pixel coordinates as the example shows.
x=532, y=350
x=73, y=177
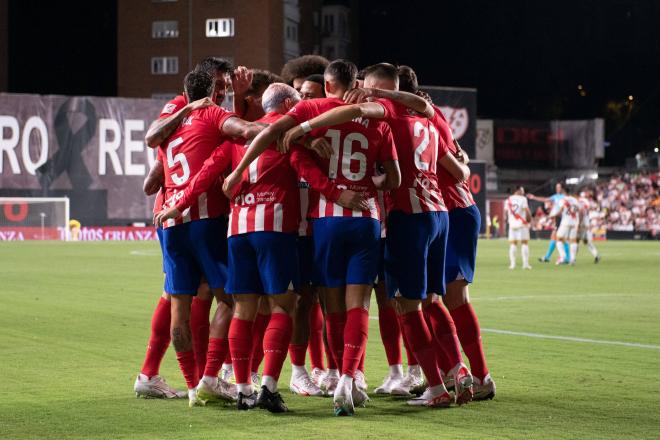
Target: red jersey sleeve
x=173, y=106
x=445, y=136
x=306, y=168
x=213, y=167
x=389, y=106
x=387, y=149
x=218, y=115
x=301, y=112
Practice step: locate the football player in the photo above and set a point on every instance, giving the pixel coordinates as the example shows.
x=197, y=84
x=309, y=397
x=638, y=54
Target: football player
x=518, y=217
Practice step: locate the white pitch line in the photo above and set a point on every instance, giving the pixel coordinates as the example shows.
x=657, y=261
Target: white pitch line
x=562, y=338
x=571, y=339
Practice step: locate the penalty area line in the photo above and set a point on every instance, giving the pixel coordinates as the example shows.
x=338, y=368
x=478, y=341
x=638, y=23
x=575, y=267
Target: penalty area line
x=563, y=338
x=571, y=339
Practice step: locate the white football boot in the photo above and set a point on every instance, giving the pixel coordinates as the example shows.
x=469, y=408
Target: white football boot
x=329, y=382
x=462, y=383
x=360, y=380
x=303, y=385
x=412, y=383
x=156, y=388
x=343, y=398
x=434, y=397
x=484, y=390
x=317, y=376
x=213, y=389
x=227, y=373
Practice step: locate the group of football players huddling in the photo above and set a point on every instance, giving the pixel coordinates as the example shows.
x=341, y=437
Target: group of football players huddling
x=321, y=186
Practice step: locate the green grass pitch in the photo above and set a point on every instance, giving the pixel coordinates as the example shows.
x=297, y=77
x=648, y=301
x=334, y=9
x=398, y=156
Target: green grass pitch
x=74, y=322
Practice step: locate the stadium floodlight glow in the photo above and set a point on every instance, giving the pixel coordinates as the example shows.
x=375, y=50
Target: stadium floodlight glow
x=593, y=176
x=656, y=149
x=572, y=181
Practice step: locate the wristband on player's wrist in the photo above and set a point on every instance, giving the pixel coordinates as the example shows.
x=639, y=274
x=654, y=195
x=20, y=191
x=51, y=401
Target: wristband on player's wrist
x=306, y=127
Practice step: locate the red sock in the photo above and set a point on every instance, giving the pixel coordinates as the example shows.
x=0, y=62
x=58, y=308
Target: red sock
x=297, y=354
x=469, y=332
x=188, y=368
x=364, y=355
x=412, y=360
x=315, y=343
x=334, y=324
x=218, y=349
x=159, y=339
x=390, y=334
x=240, y=345
x=227, y=358
x=276, y=340
x=258, y=329
x=199, y=327
x=330, y=359
x=444, y=331
x=355, y=339
x=443, y=361
x=420, y=339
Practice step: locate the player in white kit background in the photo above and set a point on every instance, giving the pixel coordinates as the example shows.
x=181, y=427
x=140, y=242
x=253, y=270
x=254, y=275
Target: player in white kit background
x=518, y=217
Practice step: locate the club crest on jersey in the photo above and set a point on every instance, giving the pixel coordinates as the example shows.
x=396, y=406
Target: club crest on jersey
x=169, y=108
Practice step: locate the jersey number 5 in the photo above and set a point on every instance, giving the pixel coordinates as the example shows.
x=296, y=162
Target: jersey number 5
x=178, y=158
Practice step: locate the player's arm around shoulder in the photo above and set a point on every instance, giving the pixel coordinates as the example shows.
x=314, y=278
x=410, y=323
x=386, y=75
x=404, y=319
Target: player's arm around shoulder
x=163, y=127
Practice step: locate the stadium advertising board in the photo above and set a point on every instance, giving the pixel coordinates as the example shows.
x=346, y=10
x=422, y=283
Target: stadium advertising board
x=548, y=144
x=89, y=149
x=459, y=106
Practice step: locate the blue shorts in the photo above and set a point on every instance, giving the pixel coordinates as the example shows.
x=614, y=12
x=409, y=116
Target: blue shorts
x=262, y=262
x=464, y=224
x=346, y=250
x=415, y=254
x=159, y=233
x=380, y=277
x=192, y=250
x=306, y=260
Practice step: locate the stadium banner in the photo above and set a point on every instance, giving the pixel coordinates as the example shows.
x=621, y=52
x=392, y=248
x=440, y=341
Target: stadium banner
x=484, y=142
x=548, y=144
x=89, y=149
x=478, y=189
x=101, y=233
x=459, y=106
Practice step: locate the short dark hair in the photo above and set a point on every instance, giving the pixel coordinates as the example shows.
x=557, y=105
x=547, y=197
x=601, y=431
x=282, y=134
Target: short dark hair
x=317, y=78
x=303, y=66
x=211, y=65
x=407, y=79
x=342, y=71
x=198, y=85
x=382, y=71
x=261, y=79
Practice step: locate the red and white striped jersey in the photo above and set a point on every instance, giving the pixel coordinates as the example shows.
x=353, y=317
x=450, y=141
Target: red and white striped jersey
x=385, y=204
x=185, y=152
x=358, y=146
x=455, y=194
x=419, y=145
x=569, y=209
x=173, y=106
x=267, y=197
x=305, y=227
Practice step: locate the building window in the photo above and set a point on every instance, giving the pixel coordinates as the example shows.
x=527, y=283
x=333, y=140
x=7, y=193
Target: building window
x=329, y=23
x=165, y=29
x=164, y=65
x=291, y=30
x=220, y=27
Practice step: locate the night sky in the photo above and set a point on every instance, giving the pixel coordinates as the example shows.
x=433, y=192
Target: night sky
x=527, y=58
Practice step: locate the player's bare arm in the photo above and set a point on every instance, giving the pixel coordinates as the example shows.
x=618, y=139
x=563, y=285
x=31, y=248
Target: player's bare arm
x=240, y=83
x=154, y=180
x=457, y=169
x=259, y=144
x=161, y=129
x=239, y=128
x=410, y=100
x=336, y=116
x=391, y=179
